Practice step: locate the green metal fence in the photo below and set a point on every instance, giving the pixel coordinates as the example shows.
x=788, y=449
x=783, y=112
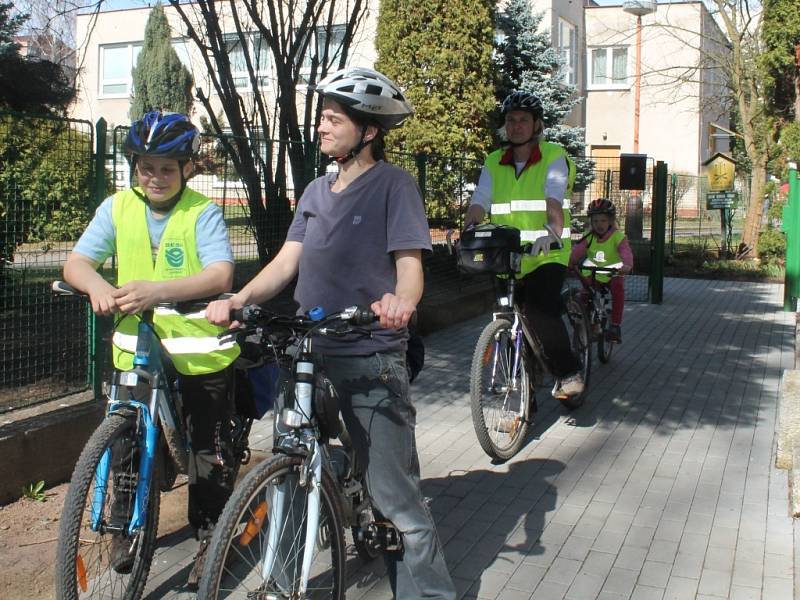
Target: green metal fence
x=52, y=178
x=46, y=178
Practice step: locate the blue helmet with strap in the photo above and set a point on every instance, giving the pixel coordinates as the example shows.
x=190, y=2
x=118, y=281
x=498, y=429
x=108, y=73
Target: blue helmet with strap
x=163, y=135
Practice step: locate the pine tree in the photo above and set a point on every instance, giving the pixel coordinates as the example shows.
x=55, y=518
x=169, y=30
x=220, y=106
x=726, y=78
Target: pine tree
x=526, y=60
x=160, y=81
x=440, y=53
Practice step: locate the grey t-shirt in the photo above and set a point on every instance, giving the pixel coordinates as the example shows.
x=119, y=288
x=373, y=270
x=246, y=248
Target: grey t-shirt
x=348, y=243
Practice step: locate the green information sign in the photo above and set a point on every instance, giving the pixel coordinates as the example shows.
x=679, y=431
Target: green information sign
x=721, y=199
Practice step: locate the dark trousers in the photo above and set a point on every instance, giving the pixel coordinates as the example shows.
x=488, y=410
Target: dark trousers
x=542, y=306
x=207, y=412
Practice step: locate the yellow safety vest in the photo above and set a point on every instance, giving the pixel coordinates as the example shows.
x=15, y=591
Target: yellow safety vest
x=520, y=202
x=190, y=339
x=603, y=254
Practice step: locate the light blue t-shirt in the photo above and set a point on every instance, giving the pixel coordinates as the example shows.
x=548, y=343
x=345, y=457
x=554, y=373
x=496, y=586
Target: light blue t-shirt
x=98, y=241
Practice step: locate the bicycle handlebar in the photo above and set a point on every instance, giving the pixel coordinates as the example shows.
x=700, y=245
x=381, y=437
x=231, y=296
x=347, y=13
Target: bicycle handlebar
x=62, y=288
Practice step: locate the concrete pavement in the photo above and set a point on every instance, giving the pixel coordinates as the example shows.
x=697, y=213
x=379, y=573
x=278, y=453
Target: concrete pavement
x=661, y=486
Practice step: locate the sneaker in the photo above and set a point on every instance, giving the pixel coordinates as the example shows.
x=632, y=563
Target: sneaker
x=193, y=580
x=615, y=334
x=121, y=555
x=568, y=386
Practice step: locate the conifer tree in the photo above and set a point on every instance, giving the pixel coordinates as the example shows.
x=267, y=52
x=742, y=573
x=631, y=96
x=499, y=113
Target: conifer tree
x=526, y=60
x=440, y=53
x=160, y=81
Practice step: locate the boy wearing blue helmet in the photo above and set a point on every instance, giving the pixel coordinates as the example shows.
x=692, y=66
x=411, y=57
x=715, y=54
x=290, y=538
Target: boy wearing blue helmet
x=171, y=245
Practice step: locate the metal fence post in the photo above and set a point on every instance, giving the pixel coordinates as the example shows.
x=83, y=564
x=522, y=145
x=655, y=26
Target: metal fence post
x=98, y=328
x=791, y=227
x=673, y=209
x=657, y=234
x=422, y=163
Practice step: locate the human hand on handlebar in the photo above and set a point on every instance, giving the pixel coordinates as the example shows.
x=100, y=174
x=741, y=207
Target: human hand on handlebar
x=542, y=245
x=218, y=312
x=137, y=296
x=393, y=311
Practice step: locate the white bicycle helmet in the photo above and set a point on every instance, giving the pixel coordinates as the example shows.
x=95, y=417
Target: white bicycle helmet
x=368, y=92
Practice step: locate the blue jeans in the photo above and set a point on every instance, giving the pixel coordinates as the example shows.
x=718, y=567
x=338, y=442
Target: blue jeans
x=375, y=406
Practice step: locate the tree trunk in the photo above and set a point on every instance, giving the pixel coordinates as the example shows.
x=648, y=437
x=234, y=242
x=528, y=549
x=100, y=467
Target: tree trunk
x=755, y=210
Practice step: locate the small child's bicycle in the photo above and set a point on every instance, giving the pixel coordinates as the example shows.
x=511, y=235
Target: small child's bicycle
x=110, y=517
x=281, y=534
x=596, y=296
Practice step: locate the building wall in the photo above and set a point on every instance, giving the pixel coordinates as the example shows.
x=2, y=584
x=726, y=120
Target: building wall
x=677, y=101
x=118, y=28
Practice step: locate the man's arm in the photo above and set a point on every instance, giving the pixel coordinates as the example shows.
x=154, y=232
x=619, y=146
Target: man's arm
x=396, y=309
x=270, y=280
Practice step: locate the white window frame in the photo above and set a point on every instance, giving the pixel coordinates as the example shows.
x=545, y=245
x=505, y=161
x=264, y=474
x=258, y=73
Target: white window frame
x=568, y=49
x=608, y=83
x=304, y=72
x=127, y=80
x=262, y=73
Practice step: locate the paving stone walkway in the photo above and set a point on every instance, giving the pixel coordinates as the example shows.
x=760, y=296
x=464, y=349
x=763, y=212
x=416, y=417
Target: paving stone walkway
x=661, y=486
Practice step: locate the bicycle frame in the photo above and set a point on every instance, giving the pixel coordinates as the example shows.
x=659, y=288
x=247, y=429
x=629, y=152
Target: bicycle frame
x=147, y=365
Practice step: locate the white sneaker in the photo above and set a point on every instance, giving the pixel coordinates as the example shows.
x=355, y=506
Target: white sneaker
x=569, y=386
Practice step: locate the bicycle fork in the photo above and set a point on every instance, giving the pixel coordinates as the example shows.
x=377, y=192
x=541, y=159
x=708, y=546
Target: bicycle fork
x=146, y=458
x=311, y=478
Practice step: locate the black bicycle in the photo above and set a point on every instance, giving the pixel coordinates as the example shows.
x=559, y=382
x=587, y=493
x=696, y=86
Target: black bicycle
x=281, y=534
x=595, y=295
x=508, y=363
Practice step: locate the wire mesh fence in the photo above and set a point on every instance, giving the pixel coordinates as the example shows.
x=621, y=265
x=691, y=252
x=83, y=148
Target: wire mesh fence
x=48, y=193
x=46, y=178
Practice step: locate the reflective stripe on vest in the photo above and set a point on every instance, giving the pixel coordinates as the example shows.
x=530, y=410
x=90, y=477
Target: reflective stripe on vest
x=604, y=254
x=520, y=202
x=197, y=350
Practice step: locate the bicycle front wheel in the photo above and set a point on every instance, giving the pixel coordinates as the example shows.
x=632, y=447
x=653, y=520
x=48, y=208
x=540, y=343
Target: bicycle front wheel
x=260, y=538
x=579, y=329
x=604, y=344
x=500, y=391
x=95, y=557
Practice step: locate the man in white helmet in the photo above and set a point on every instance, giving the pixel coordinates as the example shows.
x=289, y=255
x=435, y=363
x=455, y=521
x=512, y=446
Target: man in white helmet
x=357, y=238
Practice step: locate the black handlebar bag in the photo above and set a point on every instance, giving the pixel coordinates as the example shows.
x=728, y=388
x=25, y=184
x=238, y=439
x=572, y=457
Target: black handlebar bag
x=486, y=249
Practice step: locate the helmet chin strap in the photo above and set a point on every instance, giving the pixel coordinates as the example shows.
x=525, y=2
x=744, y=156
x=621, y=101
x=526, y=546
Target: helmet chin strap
x=362, y=143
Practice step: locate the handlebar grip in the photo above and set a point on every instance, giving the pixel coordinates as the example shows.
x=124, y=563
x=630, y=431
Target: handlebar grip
x=64, y=289
x=363, y=316
x=245, y=313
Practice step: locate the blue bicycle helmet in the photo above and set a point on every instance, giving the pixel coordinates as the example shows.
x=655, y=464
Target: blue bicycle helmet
x=163, y=135
x=526, y=101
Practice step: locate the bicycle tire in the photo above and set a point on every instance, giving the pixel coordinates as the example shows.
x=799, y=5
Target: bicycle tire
x=604, y=344
x=494, y=347
x=82, y=569
x=579, y=329
x=236, y=554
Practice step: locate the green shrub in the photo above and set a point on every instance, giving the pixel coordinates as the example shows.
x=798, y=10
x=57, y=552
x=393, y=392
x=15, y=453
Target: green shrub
x=771, y=246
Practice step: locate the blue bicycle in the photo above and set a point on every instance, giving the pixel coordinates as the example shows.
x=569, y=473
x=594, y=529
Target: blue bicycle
x=110, y=516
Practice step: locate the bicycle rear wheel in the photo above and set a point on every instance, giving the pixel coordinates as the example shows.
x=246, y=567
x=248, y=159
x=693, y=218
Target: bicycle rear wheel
x=499, y=397
x=604, y=344
x=578, y=327
x=266, y=516
x=84, y=554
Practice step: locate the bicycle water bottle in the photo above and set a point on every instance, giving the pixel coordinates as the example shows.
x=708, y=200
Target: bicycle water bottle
x=304, y=387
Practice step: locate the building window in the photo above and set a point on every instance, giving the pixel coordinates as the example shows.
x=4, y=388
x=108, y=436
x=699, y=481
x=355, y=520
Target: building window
x=609, y=67
x=316, y=49
x=568, y=49
x=257, y=50
x=116, y=63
